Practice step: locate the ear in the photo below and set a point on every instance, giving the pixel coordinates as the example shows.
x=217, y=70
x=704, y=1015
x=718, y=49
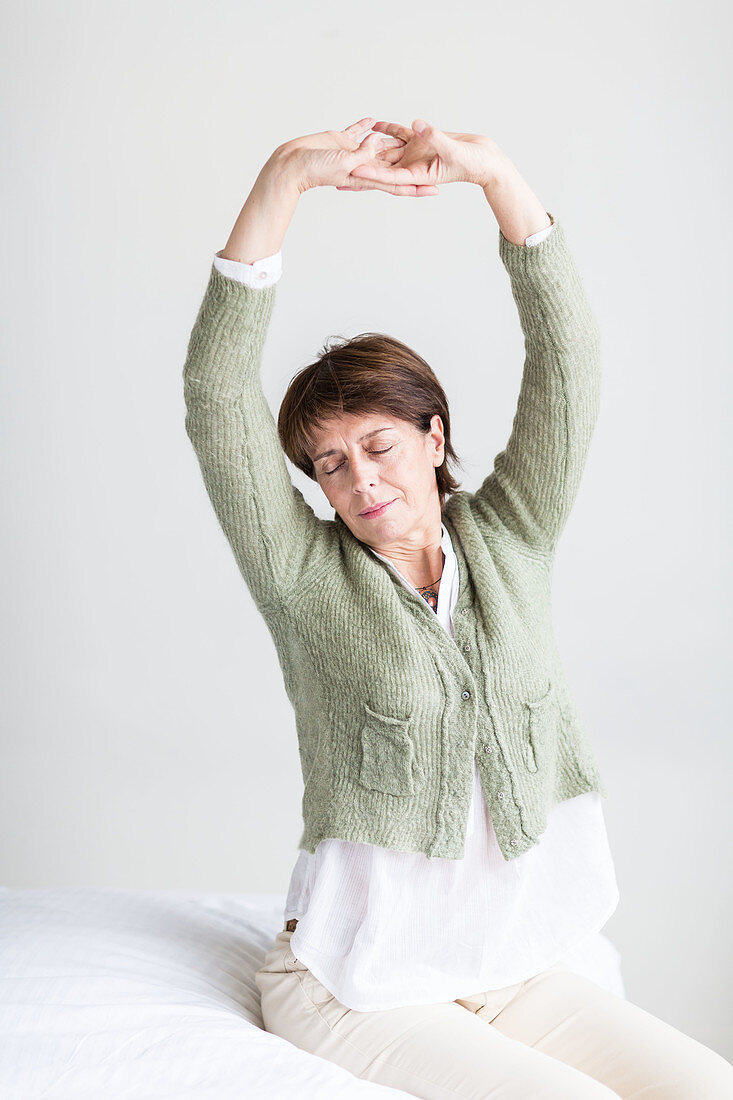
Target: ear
x=437, y=436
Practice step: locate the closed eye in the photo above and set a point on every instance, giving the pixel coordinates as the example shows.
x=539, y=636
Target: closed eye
x=329, y=472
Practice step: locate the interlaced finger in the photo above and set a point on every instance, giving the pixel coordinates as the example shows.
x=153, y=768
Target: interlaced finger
x=380, y=143
x=405, y=133
x=358, y=127
x=384, y=174
x=391, y=154
x=415, y=190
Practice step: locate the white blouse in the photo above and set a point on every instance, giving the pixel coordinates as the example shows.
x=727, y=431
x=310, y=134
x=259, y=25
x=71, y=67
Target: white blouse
x=381, y=928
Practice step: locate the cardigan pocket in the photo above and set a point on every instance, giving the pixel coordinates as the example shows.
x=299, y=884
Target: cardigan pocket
x=539, y=726
x=387, y=754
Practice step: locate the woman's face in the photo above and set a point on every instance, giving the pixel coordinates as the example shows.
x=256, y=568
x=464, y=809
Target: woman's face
x=370, y=459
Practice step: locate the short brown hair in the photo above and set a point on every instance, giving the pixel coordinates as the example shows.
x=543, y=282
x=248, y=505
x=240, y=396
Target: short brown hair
x=368, y=373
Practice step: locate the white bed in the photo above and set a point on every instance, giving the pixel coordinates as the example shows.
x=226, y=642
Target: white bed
x=151, y=996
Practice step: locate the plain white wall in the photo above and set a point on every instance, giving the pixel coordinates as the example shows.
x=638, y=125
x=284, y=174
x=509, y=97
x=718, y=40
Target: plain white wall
x=148, y=741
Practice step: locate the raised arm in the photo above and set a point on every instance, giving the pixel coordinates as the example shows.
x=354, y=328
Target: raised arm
x=272, y=530
x=265, y=518
x=535, y=479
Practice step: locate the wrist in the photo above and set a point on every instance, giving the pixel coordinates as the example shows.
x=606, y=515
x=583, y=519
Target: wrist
x=518, y=210
x=498, y=175
x=280, y=175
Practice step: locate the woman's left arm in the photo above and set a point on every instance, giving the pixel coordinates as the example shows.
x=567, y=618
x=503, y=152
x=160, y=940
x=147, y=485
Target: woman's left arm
x=535, y=479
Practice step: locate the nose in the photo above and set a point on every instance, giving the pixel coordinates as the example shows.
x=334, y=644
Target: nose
x=363, y=475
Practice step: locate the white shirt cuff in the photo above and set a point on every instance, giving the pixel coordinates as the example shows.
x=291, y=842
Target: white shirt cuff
x=261, y=273
x=540, y=235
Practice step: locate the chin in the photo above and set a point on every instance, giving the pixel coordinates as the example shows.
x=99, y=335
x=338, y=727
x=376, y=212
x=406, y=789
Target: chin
x=385, y=529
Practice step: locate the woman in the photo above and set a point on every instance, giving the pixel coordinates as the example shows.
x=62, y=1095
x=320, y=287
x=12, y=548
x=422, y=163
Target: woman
x=454, y=846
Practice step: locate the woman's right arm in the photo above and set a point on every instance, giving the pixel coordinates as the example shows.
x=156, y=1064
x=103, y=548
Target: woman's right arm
x=274, y=533
x=271, y=528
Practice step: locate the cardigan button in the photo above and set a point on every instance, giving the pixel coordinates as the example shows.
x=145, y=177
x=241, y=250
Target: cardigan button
x=464, y=611
x=465, y=695
x=513, y=840
x=488, y=748
x=467, y=648
x=500, y=794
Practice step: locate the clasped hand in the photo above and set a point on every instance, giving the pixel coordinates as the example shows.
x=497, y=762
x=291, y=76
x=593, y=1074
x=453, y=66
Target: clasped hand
x=401, y=160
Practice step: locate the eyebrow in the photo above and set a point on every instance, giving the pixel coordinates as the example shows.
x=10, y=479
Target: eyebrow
x=325, y=454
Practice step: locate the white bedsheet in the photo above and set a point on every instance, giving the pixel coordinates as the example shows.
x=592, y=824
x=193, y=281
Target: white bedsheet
x=150, y=995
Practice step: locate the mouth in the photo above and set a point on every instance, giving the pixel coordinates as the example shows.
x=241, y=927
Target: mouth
x=377, y=510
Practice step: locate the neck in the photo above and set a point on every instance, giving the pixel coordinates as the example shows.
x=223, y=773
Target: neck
x=421, y=564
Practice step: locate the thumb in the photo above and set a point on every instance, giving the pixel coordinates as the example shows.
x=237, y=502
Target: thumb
x=428, y=132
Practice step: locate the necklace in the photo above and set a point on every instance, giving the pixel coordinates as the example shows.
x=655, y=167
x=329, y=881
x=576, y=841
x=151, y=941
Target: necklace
x=429, y=585
x=429, y=594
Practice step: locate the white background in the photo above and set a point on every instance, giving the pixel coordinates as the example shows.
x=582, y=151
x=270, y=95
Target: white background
x=147, y=738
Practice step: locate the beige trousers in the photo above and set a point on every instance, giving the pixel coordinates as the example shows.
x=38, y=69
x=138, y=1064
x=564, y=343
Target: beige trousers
x=556, y=1035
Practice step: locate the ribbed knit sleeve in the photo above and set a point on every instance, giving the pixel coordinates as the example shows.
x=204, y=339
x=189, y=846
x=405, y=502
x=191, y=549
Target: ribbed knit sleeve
x=535, y=479
x=270, y=526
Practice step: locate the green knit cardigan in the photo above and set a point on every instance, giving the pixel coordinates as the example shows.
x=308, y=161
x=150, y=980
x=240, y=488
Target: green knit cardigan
x=390, y=711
